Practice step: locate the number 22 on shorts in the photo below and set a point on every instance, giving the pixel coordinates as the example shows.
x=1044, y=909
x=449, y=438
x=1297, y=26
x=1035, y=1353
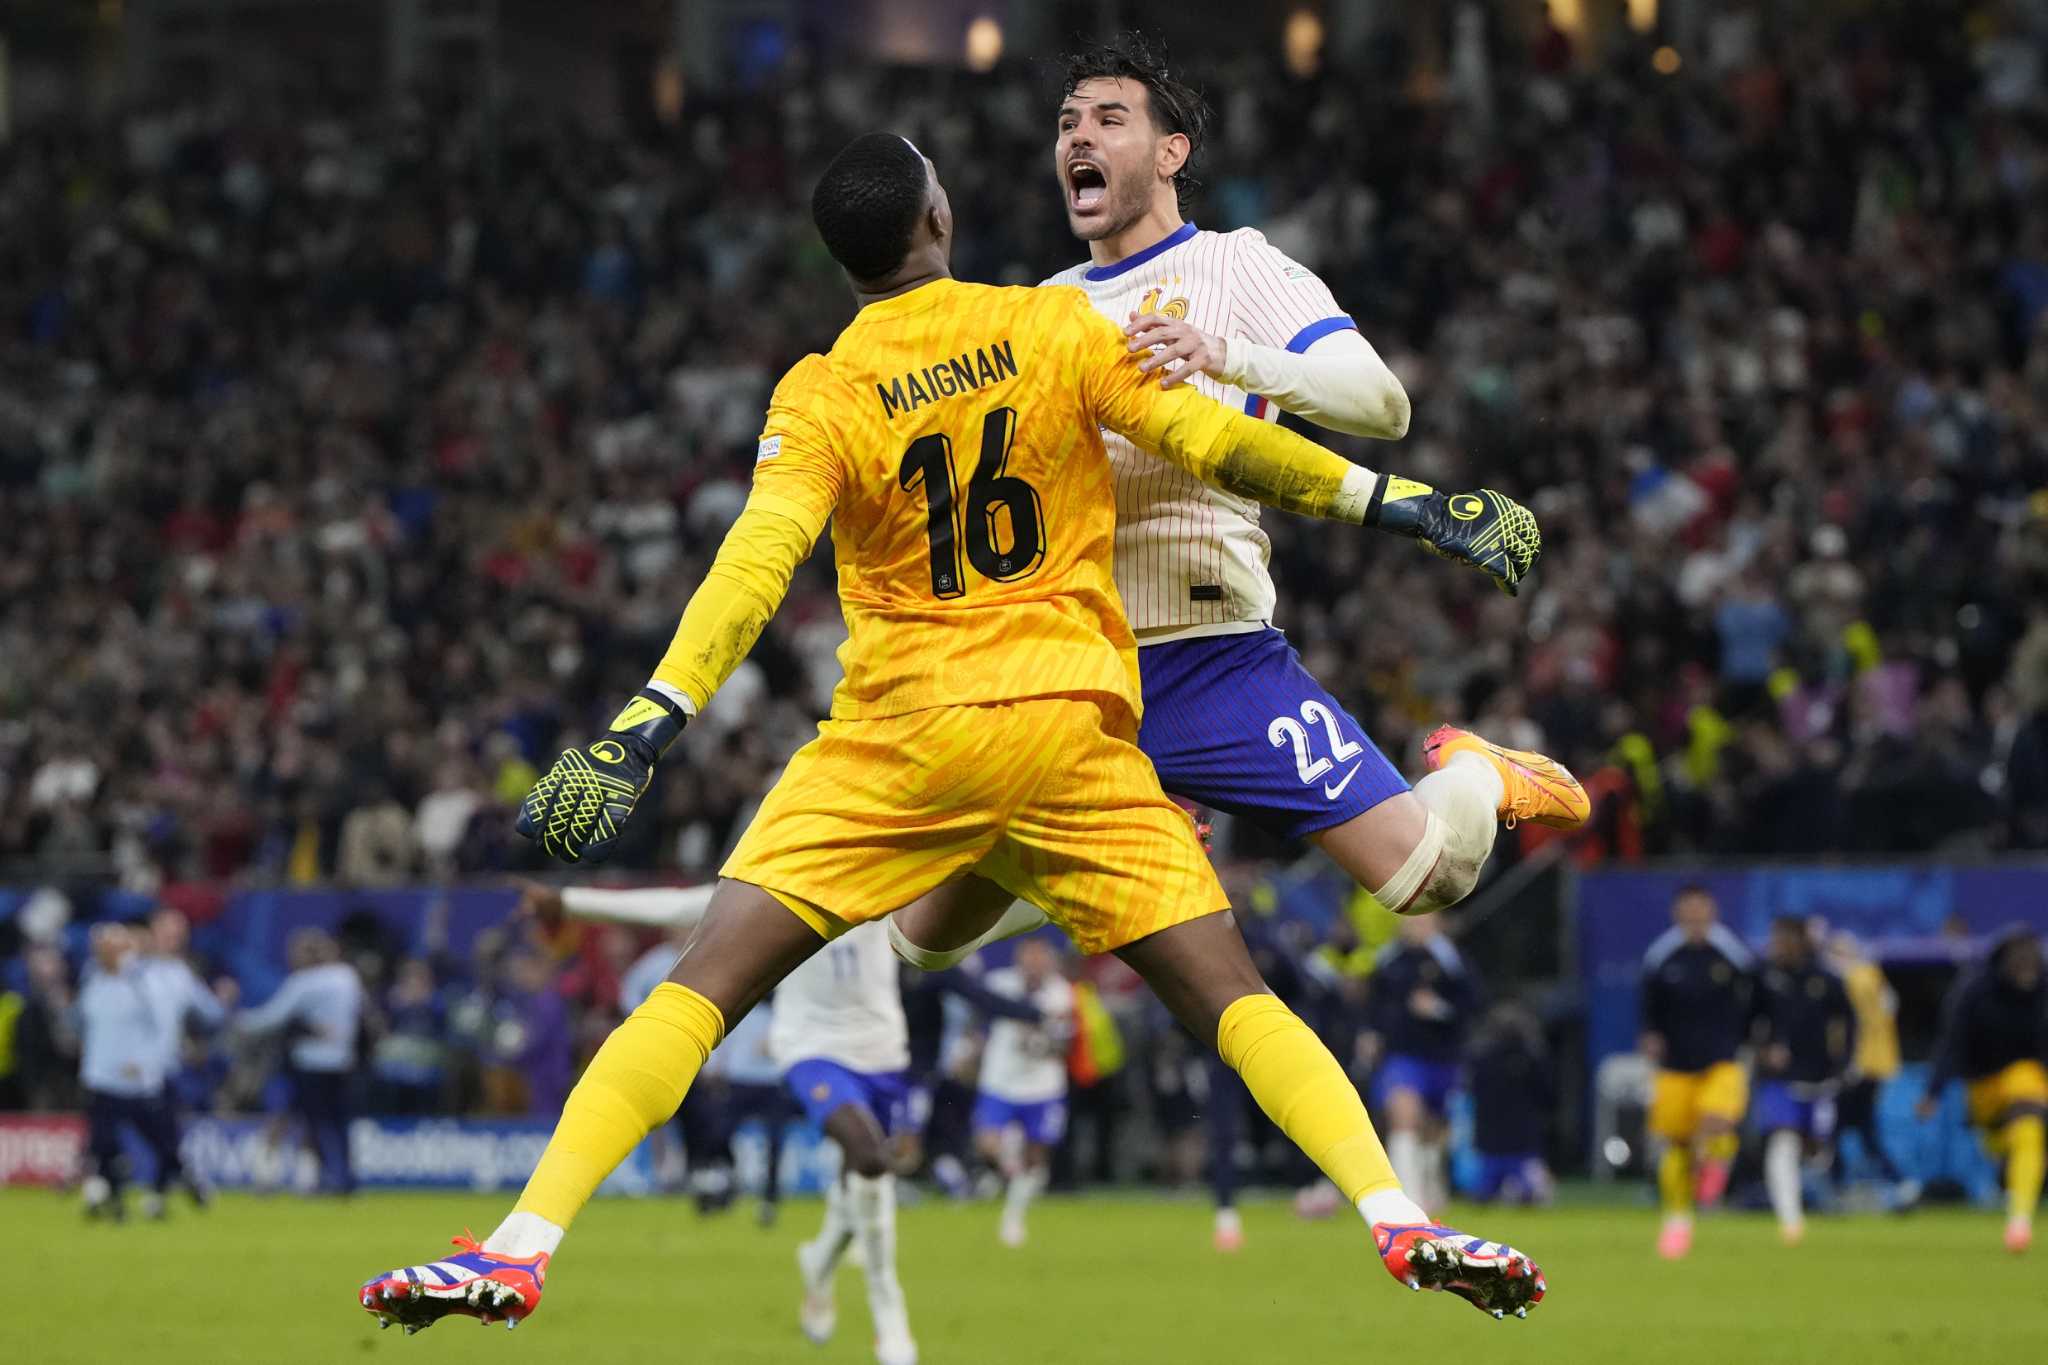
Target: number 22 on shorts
x=1287, y=730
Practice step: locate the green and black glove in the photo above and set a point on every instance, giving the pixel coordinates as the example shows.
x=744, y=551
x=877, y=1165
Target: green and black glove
x=1488, y=530
x=580, y=806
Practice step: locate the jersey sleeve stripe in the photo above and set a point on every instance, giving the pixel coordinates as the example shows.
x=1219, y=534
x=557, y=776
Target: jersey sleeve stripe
x=1316, y=331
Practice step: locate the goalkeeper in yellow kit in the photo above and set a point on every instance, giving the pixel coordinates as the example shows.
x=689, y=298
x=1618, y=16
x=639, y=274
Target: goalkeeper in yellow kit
x=987, y=721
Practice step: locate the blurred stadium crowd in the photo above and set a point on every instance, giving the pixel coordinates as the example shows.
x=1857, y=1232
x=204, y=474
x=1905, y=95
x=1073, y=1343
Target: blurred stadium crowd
x=348, y=462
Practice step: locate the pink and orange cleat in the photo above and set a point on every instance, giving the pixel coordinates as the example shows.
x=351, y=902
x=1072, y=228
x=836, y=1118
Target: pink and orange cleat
x=2019, y=1235
x=474, y=1283
x=1495, y=1279
x=1674, y=1239
x=1536, y=788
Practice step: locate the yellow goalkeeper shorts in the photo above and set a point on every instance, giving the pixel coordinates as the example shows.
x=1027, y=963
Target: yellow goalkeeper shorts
x=2022, y=1083
x=1049, y=798
x=1679, y=1100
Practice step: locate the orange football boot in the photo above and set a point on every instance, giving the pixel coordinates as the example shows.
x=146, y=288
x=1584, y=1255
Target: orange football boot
x=1536, y=788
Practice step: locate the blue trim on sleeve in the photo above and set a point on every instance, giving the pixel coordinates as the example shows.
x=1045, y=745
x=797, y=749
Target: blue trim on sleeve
x=1136, y=259
x=1254, y=405
x=1316, y=331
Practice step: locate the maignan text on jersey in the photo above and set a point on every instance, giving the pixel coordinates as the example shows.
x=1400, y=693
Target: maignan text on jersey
x=975, y=369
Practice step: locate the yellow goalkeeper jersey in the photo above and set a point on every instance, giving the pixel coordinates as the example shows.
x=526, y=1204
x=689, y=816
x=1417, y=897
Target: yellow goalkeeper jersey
x=953, y=436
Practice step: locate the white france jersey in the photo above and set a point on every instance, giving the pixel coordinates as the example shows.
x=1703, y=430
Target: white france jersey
x=844, y=1005
x=1026, y=1063
x=1191, y=559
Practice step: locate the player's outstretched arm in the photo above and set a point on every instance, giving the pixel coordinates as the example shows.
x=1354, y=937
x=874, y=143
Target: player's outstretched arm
x=581, y=804
x=1259, y=460
x=1269, y=464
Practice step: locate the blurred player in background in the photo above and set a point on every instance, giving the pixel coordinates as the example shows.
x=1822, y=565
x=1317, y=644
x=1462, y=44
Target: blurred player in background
x=986, y=722
x=843, y=1045
x=1020, y=1112
x=182, y=1001
x=120, y=1066
x=1513, y=1090
x=941, y=1104
x=1874, y=1064
x=1696, y=992
x=1805, y=1039
x=1422, y=998
x=1994, y=1036
x=319, y=1010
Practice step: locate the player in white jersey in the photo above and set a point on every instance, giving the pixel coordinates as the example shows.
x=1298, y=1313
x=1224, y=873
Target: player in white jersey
x=1232, y=719
x=1020, y=1113
x=837, y=1031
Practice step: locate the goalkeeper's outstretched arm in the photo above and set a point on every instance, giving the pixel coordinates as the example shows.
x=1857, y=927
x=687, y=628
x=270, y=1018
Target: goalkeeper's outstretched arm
x=580, y=805
x=1269, y=464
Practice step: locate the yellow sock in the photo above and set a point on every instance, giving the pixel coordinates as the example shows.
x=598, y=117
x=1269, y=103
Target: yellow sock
x=1674, y=1179
x=2025, y=1140
x=1723, y=1146
x=633, y=1085
x=1306, y=1094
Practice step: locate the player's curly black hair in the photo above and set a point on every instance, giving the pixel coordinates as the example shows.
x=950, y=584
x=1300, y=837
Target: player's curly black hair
x=1176, y=106
x=867, y=203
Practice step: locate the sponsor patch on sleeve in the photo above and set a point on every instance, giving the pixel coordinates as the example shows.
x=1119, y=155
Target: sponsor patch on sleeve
x=770, y=447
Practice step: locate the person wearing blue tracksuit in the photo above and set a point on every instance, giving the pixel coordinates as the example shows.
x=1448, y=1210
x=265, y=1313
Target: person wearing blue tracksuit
x=121, y=1067
x=320, y=1006
x=181, y=1001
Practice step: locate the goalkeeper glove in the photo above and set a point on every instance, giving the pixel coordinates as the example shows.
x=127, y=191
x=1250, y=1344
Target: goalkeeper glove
x=580, y=806
x=1490, y=531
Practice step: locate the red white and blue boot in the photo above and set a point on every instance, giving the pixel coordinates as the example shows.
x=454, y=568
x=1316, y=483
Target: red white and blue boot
x=473, y=1283
x=1495, y=1279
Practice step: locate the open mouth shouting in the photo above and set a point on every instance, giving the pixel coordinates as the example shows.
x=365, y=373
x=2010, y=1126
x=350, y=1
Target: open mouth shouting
x=1087, y=187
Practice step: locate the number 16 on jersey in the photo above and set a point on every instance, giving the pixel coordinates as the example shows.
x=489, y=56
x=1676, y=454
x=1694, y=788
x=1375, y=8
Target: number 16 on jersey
x=993, y=497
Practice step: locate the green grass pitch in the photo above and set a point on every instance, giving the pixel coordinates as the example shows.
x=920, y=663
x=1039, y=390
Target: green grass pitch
x=1118, y=1280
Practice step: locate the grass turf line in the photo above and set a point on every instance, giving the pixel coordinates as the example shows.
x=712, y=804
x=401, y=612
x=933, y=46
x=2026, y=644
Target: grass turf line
x=1113, y=1281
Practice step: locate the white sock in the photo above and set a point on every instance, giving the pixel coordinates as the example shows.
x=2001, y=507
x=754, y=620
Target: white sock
x=522, y=1235
x=1390, y=1206
x=1024, y=1187
x=1781, y=1177
x=836, y=1232
x=1465, y=796
x=1486, y=778
x=1404, y=1153
x=1436, y=1183
x=872, y=1200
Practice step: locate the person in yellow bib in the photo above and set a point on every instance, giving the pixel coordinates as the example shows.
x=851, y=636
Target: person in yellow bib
x=1876, y=1060
x=1698, y=980
x=1995, y=1036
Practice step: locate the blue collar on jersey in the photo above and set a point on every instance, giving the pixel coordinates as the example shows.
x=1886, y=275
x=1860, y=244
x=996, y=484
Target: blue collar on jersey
x=1132, y=262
